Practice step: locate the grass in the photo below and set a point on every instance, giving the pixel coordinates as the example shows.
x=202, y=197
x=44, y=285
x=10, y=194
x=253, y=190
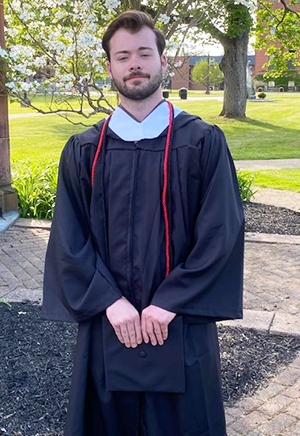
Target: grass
x=40, y=137
x=271, y=131
x=287, y=179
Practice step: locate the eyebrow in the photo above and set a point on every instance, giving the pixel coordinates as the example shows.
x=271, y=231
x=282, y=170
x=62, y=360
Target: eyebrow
x=127, y=51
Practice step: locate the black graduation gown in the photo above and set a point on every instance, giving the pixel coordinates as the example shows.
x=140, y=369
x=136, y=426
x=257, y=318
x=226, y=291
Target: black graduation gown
x=204, y=286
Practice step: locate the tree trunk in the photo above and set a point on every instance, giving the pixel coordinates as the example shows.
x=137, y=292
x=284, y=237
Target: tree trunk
x=234, y=66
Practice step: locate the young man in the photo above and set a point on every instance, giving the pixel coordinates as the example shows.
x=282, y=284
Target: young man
x=146, y=253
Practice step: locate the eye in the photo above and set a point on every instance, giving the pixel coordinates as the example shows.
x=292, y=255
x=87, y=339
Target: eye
x=123, y=58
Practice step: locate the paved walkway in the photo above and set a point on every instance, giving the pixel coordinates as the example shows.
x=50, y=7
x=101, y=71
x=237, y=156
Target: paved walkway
x=267, y=164
x=278, y=197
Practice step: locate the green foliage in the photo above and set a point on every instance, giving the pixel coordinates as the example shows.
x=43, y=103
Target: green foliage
x=245, y=180
x=207, y=75
x=278, y=32
x=35, y=182
x=262, y=95
x=238, y=19
x=5, y=302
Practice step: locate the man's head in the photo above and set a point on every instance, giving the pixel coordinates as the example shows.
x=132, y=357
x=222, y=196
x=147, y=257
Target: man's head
x=132, y=21
x=135, y=55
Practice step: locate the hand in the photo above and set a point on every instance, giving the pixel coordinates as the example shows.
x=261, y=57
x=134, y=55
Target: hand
x=126, y=322
x=155, y=321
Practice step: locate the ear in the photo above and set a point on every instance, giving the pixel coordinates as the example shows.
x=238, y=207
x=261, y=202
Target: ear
x=108, y=67
x=164, y=63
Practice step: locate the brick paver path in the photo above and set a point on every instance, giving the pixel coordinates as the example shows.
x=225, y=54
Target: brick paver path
x=272, y=279
x=273, y=411
x=22, y=253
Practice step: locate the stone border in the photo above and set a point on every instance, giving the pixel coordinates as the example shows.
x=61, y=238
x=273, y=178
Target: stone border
x=269, y=322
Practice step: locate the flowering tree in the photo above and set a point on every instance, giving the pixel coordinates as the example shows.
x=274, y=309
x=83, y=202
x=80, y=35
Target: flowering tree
x=54, y=47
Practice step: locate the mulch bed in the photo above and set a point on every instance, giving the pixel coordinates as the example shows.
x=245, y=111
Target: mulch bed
x=262, y=218
x=36, y=366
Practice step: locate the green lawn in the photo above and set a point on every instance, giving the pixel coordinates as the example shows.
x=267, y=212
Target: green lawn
x=271, y=131
x=287, y=179
x=40, y=137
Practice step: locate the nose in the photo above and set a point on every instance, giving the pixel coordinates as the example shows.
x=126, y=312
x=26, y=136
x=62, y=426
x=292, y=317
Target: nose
x=135, y=64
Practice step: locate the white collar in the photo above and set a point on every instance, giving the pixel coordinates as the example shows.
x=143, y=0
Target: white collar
x=129, y=129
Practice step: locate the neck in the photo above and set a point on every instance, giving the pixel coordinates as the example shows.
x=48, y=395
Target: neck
x=139, y=109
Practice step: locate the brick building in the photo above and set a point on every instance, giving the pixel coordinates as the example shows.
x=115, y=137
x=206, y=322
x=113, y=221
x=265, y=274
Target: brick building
x=183, y=74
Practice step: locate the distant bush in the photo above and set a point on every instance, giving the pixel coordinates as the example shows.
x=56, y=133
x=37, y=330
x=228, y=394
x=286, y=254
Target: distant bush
x=35, y=182
x=245, y=180
x=262, y=95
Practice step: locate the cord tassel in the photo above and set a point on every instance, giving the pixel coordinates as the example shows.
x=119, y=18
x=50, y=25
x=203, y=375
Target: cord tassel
x=165, y=188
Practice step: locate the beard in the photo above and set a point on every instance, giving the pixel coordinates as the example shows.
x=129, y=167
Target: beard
x=138, y=91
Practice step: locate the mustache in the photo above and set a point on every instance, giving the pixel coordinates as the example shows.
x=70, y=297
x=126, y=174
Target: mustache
x=136, y=74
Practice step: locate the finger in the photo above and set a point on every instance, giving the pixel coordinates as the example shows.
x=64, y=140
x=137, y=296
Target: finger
x=125, y=335
x=164, y=329
x=144, y=332
x=119, y=334
x=150, y=331
x=158, y=332
x=131, y=331
x=138, y=331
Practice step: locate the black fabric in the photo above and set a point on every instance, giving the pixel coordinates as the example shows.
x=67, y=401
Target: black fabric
x=144, y=368
x=94, y=411
x=207, y=227
x=204, y=286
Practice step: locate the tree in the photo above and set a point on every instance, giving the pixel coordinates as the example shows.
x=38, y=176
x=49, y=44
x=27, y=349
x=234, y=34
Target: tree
x=62, y=40
x=54, y=48
x=278, y=32
x=207, y=73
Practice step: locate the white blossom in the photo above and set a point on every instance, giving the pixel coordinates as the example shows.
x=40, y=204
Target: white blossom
x=178, y=64
x=172, y=45
x=112, y=4
x=27, y=16
x=40, y=62
x=11, y=85
x=250, y=4
x=3, y=53
x=164, y=18
x=26, y=87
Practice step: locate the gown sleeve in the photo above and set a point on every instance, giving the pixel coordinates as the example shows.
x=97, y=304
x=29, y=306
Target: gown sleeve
x=209, y=283
x=77, y=284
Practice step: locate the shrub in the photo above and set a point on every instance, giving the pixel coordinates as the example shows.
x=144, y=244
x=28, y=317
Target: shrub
x=245, y=180
x=35, y=182
x=262, y=95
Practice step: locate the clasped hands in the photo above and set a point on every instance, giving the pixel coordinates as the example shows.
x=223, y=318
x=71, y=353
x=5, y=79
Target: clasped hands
x=131, y=328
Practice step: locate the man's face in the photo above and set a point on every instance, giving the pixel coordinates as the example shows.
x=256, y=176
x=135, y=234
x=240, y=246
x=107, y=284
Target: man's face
x=135, y=64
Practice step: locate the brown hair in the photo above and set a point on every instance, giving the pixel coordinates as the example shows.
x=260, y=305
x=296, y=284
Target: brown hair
x=132, y=21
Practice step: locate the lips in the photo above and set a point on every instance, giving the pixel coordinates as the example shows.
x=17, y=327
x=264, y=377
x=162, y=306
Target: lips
x=137, y=77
